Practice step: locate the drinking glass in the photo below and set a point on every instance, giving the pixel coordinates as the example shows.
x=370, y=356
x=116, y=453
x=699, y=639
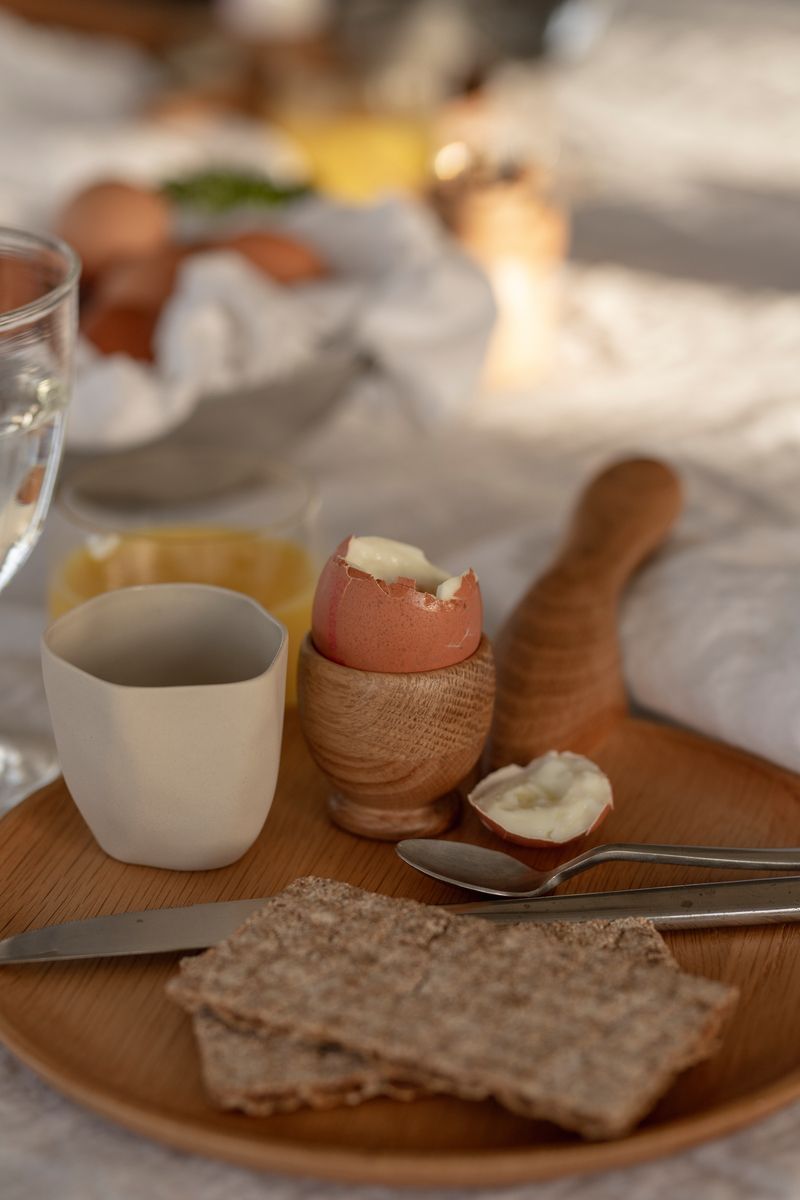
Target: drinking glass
x=190, y=514
x=38, y=320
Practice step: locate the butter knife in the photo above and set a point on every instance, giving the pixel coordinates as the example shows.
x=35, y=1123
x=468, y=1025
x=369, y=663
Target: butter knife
x=161, y=930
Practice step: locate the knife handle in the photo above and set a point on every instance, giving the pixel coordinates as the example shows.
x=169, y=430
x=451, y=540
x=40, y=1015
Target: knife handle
x=559, y=673
x=688, y=906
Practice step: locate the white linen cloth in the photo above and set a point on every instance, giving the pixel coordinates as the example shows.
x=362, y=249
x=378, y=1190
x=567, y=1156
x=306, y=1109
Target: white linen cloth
x=53, y=75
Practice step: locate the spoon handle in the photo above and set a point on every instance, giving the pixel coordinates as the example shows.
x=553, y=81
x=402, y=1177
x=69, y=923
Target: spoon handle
x=773, y=859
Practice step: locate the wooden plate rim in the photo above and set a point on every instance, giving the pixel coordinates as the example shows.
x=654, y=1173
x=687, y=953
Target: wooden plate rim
x=432, y=1168
x=491, y=1168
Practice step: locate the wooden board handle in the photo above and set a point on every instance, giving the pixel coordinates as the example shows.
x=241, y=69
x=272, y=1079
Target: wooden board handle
x=559, y=673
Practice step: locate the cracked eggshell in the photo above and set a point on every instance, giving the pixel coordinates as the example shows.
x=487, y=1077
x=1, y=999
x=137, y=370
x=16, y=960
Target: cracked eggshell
x=367, y=623
x=558, y=810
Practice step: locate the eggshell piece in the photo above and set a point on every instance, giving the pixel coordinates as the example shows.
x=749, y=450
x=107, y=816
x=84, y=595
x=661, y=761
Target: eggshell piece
x=558, y=799
x=366, y=623
x=540, y=843
x=279, y=256
x=113, y=220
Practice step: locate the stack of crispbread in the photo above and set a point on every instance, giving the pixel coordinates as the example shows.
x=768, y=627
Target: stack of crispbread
x=332, y=995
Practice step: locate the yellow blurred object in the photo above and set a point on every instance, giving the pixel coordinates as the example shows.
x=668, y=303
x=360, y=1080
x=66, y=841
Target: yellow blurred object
x=358, y=156
x=278, y=573
x=518, y=231
x=519, y=235
x=497, y=186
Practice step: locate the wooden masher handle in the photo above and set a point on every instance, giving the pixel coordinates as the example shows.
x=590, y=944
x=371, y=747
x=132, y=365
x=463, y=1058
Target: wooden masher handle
x=559, y=674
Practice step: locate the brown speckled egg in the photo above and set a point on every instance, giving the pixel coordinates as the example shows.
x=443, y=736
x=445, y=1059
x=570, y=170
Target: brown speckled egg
x=366, y=623
x=122, y=329
x=279, y=256
x=114, y=220
x=143, y=281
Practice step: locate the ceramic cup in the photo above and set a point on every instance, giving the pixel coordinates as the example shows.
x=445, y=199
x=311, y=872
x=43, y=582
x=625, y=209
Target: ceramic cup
x=167, y=709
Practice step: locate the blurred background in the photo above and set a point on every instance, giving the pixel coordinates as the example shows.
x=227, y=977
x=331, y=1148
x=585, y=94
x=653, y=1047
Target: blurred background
x=663, y=138
x=439, y=258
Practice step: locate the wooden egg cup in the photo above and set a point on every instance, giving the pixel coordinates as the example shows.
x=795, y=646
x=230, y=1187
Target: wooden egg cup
x=395, y=746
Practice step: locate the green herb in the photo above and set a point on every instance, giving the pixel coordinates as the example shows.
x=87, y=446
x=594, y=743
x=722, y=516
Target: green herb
x=217, y=191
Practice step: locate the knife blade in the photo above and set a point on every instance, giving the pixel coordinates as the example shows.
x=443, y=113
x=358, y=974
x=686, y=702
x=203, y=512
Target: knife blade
x=152, y=931
x=161, y=930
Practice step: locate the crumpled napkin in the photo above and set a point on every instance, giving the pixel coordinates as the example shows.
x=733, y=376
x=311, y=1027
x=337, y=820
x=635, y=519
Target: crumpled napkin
x=402, y=295
x=712, y=639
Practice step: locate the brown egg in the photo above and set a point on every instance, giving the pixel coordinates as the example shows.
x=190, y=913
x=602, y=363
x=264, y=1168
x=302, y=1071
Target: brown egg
x=114, y=220
x=122, y=329
x=19, y=285
x=277, y=255
x=143, y=281
x=398, y=623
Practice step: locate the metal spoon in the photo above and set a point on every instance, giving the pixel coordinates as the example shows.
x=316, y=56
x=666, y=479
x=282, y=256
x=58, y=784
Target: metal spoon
x=498, y=874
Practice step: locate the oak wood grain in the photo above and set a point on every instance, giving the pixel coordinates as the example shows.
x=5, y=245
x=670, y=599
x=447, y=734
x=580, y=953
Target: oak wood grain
x=559, y=676
x=395, y=746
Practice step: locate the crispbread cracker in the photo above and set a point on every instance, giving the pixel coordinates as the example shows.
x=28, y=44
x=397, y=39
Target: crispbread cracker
x=265, y=1073
x=585, y=1025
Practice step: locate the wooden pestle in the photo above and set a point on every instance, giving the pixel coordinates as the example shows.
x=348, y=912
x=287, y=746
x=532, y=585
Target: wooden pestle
x=395, y=746
x=559, y=670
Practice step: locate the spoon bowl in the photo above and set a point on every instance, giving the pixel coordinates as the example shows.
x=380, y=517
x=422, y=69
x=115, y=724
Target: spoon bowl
x=494, y=873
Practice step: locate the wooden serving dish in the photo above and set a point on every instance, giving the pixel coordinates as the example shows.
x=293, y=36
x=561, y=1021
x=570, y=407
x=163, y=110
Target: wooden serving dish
x=104, y=1033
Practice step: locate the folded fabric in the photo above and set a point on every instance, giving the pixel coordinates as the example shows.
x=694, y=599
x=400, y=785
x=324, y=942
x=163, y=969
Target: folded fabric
x=401, y=294
x=712, y=639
